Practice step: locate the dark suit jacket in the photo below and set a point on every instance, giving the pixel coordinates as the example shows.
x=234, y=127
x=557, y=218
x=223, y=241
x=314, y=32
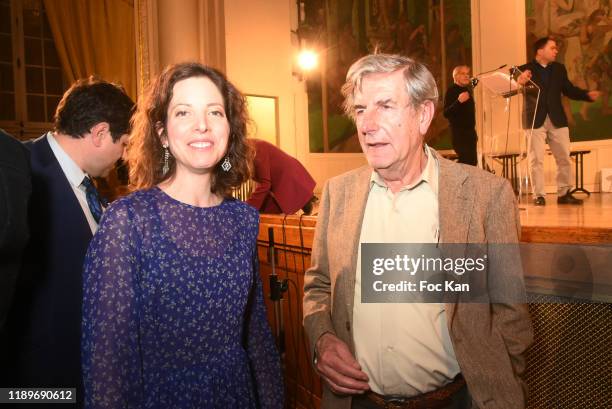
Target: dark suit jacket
x=283, y=184
x=46, y=319
x=15, y=188
x=489, y=340
x=550, y=95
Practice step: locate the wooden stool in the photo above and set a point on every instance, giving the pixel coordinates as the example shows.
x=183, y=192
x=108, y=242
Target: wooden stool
x=579, y=157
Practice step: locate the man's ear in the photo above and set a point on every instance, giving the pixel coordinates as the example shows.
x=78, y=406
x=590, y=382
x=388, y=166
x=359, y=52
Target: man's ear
x=426, y=115
x=539, y=51
x=98, y=133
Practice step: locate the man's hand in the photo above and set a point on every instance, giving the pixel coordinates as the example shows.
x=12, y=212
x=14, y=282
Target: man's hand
x=594, y=95
x=464, y=96
x=524, y=77
x=338, y=367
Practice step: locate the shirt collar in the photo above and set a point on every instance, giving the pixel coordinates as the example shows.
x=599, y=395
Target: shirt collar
x=429, y=174
x=73, y=172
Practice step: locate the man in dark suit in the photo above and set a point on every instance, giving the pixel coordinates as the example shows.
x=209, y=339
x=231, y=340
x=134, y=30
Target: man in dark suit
x=550, y=122
x=15, y=189
x=91, y=126
x=283, y=184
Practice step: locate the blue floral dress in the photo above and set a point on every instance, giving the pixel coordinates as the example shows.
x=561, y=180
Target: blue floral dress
x=173, y=310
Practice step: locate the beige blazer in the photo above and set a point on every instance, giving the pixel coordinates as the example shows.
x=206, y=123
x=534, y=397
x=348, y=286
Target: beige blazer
x=474, y=207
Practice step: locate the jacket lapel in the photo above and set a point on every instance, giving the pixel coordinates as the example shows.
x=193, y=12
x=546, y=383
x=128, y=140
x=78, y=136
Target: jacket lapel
x=455, y=201
x=50, y=178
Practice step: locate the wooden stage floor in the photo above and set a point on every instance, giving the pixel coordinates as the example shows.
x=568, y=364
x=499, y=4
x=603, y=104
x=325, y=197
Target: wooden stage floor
x=590, y=223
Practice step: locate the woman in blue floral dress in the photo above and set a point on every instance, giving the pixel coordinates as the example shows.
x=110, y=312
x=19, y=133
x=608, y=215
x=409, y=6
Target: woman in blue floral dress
x=173, y=310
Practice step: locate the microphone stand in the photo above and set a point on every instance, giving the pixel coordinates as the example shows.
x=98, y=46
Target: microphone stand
x=474, y=80
x=277, y=288
x=528, y=88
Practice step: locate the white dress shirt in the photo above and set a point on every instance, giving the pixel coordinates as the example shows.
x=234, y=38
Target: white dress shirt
x=405, y=348
x=75, y=176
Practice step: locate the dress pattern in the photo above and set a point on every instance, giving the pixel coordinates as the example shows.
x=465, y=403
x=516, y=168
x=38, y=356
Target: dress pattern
x=173, y=310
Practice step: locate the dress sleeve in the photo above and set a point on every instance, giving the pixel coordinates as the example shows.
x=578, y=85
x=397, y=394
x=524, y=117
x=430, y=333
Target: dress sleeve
x=261, y=348
x=110, y=328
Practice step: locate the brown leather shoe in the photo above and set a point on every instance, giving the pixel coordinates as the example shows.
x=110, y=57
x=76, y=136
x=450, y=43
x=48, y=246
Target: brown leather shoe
x=568, y=199
x=539, y=201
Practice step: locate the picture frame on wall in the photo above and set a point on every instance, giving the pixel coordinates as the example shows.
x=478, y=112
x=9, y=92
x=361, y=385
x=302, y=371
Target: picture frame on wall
x=263, y=114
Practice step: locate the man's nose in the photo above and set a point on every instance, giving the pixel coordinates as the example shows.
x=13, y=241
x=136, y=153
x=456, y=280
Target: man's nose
x=369, y=122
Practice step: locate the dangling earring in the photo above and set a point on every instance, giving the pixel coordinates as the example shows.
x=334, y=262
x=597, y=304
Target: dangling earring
x=166, y=166
x=226, y=165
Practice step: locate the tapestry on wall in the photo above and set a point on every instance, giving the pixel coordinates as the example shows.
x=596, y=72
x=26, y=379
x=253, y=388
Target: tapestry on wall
x=583, y=32
x=436, y=32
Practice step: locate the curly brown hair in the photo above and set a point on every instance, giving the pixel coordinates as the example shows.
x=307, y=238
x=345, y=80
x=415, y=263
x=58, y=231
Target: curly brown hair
x=145, y=154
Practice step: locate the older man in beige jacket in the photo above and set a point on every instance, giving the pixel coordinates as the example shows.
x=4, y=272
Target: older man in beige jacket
x=412, y=355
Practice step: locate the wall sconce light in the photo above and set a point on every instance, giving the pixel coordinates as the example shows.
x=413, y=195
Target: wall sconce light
x=307, y=60
x=307, y=36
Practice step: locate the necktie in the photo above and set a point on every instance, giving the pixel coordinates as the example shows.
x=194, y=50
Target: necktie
x=93, y=198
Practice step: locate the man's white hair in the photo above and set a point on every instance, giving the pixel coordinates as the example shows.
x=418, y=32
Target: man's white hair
x=420, y=83
x=456, y=70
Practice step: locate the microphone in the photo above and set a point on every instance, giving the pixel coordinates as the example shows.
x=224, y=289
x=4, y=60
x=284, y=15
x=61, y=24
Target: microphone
x=474, y=80
x=270, y=237
x=271, y=254
x=494, y=69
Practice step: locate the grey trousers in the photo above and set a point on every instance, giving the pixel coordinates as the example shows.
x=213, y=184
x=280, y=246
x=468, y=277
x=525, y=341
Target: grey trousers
x=559, y=142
